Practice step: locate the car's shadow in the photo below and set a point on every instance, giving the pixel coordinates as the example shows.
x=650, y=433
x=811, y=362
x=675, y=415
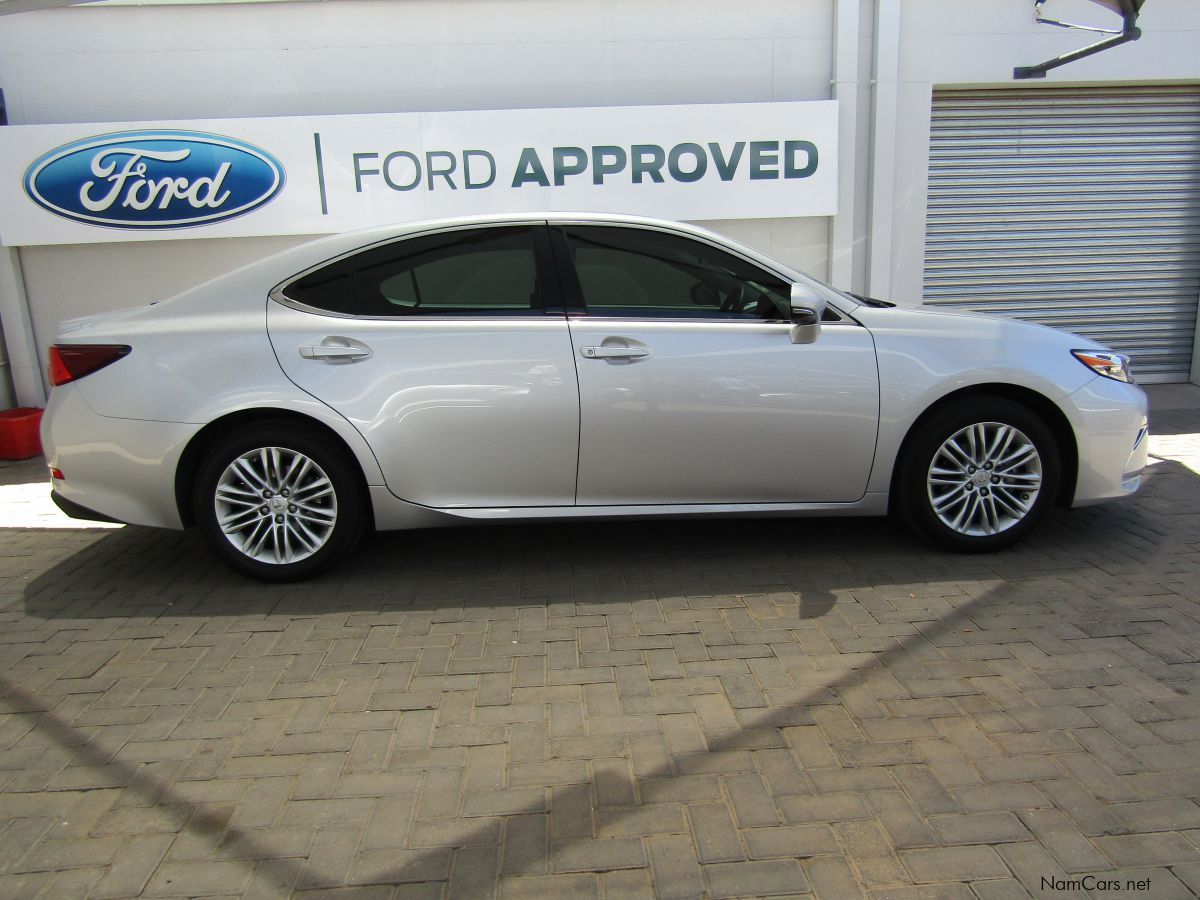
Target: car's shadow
x=149, y=572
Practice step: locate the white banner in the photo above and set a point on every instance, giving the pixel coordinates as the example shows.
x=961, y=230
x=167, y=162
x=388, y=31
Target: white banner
x=136, y=181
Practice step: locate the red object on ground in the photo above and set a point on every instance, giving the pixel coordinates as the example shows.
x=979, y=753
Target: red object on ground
x=19, y=438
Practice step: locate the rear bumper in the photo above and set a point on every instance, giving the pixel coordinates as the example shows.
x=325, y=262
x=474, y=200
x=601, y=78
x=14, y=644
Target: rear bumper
x=120, y=470
x=75, y=511
x=1110, y=423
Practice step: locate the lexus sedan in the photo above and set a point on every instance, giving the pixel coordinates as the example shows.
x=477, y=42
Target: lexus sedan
x=567, y=366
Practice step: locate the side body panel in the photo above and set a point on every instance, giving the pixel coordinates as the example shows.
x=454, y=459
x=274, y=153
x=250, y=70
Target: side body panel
x=197, y=358
x=925, y=356
x=723, y=412
x=460, y=412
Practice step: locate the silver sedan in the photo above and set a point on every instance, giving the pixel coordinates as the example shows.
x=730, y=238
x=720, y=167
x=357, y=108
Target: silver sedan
x=567, y=366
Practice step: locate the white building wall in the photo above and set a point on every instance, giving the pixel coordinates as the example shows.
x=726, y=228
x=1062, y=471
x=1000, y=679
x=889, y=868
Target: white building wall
x=127, y=63
x=113, y=63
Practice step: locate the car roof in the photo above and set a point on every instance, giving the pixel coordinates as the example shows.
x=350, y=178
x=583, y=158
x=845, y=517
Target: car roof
x=378, y=233
x=261, y=276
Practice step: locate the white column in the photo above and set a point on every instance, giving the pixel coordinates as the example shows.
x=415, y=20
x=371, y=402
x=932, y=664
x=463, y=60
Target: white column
x=845, y=92
x=883, y=146
x=18, y=332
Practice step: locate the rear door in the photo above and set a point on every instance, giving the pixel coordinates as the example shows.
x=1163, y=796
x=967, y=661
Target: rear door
x=447, y=352
x=691, y=391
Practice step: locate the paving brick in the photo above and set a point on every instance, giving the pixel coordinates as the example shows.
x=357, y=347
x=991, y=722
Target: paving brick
x=71, y=853
x=751, y=801
x=526, y=845
x=473, y=873
x=1081, y=806
x=1000, y=797
x=571, y=812
x=826, y=808
x=954, y=864
x=550, y=887
x=979, y=828
x=132, y=867
x=448, y=833
x=929, y=892
x=329, y=859
x=768, y=878
x=1153, y=849
x=926, y=790
x=832, y=879
x=400, y=866
x=1074, y=852
x=1031, y=864
x=389, y=823
x=790, y=841
x=1155, y=815
x=714, y=832
x=178, y=879
x=275, y=843
x=677, y=873
x=597, y=855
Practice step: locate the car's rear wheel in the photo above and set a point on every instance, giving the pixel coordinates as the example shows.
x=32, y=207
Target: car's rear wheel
x=278, y=503
x=978, y=475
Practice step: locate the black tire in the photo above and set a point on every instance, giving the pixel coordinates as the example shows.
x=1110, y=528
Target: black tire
x=917, y=486
x=330, y=487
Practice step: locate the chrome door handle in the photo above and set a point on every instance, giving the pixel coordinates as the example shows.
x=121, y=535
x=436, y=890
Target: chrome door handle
x=613, y=352
x=336, y=349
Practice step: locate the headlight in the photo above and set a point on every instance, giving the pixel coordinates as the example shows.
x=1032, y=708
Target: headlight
x=1110, y=365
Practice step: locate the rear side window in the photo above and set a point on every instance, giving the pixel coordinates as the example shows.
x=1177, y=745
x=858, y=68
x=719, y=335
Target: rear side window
x=470, y=272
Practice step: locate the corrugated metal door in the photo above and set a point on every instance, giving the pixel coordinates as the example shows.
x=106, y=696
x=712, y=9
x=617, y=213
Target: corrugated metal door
x=1072, y=207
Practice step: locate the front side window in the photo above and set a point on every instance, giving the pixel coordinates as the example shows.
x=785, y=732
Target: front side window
x=470, y=272
x=650, y=274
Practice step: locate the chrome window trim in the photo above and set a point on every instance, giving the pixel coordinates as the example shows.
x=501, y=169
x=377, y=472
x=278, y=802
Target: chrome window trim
x=465, y=317
x=277, y=292
x=761, y=261
x=741, y=323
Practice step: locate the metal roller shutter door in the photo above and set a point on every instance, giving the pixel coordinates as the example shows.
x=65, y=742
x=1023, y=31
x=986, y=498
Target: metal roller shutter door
x=1072, y=207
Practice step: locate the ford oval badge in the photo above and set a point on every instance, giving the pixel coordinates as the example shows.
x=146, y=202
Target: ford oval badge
x=154, y=179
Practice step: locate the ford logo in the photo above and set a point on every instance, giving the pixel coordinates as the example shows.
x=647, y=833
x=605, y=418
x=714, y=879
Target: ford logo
x=154, y=179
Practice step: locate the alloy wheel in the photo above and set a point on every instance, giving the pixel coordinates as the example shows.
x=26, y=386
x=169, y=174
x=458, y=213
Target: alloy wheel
x=275, y=505
x=984, y=479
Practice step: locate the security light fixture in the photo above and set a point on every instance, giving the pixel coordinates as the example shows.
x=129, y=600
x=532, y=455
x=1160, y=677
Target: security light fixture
x=1128, y=11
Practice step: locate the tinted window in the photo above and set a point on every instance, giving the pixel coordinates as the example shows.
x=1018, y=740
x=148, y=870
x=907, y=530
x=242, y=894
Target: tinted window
x=638, y=272
x=457, y=273
x=330, y=288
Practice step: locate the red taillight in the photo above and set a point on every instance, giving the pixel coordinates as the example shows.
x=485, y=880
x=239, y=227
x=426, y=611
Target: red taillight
x=71, y=361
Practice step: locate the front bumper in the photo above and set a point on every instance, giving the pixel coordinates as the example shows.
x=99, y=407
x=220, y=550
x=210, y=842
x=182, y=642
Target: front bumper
x=1112, y=432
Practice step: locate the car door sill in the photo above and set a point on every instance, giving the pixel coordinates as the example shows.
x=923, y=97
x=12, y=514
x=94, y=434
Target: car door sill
x=869, y=504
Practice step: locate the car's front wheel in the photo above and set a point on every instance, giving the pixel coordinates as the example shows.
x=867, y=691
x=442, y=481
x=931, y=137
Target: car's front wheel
x=978, y=475
x=277, y=503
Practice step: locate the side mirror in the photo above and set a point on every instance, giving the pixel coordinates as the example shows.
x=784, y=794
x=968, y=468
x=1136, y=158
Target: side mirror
x=807, y=310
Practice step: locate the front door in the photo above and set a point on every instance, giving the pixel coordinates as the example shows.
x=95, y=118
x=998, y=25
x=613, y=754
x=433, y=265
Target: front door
x=691, y=391
x=442, y=351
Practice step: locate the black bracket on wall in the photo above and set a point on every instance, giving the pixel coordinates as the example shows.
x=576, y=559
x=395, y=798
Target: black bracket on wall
x=1128, y=9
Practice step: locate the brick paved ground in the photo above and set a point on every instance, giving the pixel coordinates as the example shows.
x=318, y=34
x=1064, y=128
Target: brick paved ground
x=719, y=708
